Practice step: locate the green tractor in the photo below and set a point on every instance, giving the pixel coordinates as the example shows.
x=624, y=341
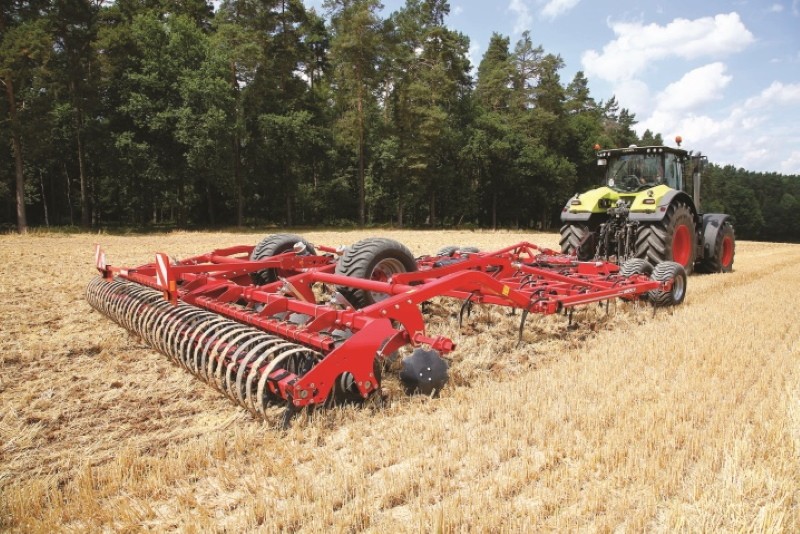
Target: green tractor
x=649, y=208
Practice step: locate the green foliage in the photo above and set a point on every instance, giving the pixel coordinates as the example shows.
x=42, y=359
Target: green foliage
x=166, y=113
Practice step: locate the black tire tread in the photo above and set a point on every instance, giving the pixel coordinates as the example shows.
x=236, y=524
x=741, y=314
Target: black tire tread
x=664, y=272
x=360, y=258
x=713, y=264
x=571, y=237
x=634, y=266
x=654, y=240
x=273, y=245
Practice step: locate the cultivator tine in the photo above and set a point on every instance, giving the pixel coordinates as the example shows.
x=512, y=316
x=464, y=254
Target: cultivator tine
x=465, y=307
x=522, y=326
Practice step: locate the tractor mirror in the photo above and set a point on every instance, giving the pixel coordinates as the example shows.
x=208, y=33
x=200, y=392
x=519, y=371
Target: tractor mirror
x=602, y=162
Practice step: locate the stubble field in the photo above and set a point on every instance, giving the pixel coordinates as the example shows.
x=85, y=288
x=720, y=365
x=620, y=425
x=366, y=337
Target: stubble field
x=688, y=419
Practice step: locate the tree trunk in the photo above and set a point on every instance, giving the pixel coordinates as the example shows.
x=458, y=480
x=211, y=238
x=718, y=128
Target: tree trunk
x=85, y=210
x=494, y=210
x=44, y=200
x=362, y=202
x=69, y=196
x=433, y=209
x=237, y=160
x=16, y=143
x=400, y=207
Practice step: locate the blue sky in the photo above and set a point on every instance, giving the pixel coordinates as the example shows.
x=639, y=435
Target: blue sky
x=725, y=75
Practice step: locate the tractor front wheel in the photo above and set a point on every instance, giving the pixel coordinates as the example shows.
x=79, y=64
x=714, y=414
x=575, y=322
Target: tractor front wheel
x=577, y=239
x=671, y=239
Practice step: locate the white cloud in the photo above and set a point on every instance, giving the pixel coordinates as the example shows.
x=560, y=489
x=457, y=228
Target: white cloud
x=555, y=8
x=638, y=45
x=776, y=94
x=696, y=87
x=791, y=165
x=751, y=135
x=634, y=95
x=457, y=10
x=775, y=8
x=524, y=20
x=474, y=58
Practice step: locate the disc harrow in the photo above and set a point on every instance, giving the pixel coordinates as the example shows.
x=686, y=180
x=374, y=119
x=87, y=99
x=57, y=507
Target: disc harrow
x=311, y=325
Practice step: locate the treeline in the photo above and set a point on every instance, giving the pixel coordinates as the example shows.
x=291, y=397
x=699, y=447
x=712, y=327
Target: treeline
x=168, y=113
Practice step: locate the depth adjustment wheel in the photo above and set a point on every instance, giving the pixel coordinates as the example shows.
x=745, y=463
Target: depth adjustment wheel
x=375, y=259
x=272, y=245
x=664, y=272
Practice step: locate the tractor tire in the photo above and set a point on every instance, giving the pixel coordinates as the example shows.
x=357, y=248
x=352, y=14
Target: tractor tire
x=671, y=239
x=721, y=259
x=272, y=245
x=373, y=258
x=575, y=239
x=663, y=272
x=636, y=266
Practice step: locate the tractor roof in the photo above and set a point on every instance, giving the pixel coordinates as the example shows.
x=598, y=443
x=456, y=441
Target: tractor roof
x=633, y=149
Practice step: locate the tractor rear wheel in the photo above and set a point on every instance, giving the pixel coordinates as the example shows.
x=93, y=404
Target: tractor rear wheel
x=577, y=239
x=671, y=239
x=721, y=259
x=272, y=245
x=373, y=258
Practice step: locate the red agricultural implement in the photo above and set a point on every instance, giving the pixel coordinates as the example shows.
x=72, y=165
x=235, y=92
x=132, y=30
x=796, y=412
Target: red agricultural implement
x=302, y=325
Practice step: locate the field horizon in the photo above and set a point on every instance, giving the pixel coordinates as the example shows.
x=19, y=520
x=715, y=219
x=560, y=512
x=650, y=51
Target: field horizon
x=682, y=419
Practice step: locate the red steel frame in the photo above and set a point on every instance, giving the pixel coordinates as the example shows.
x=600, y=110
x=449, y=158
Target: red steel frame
x=523, y=276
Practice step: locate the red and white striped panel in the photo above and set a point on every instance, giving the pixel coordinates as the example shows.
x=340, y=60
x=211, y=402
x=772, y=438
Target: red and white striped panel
x=99, y=258
x=162, y=270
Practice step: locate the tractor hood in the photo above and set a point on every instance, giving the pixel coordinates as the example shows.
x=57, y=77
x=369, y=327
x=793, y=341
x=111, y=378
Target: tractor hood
x=598, y=201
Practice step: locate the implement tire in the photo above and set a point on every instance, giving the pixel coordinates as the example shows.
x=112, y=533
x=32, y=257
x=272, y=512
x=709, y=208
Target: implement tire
x=664, y=272
x=577, y=239
x=374, y=258
x=671, y=239
x=272, y=245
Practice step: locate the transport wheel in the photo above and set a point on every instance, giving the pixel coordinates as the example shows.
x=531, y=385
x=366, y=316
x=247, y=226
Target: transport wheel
x=664, y=272
x=636, y=266
x=722, y=253
x=374, y=258
x=671, y=239
x=577, y=239
x=272, y=245
x=447, y=251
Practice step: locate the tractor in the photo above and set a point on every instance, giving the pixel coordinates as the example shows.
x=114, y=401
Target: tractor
x=649, y=208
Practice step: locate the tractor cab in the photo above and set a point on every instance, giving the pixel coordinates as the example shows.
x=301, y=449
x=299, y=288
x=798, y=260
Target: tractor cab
x=635, y=169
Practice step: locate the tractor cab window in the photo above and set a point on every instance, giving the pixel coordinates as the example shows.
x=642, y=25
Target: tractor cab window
x=673, y=175
x=635, y=172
